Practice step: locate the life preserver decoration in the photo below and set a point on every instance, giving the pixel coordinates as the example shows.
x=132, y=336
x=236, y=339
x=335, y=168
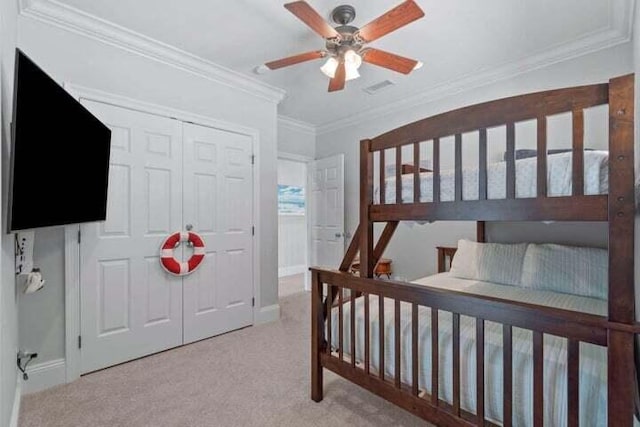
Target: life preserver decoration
x=173, y=265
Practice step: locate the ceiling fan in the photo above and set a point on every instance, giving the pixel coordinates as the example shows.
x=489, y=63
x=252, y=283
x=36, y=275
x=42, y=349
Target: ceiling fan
x=345, y=44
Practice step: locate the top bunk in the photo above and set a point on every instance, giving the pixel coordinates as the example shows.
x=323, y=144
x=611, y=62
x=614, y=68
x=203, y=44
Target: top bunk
x=422, y=182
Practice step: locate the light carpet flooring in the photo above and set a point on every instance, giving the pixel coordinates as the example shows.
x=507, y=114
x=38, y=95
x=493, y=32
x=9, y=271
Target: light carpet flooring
x=258, y=376
x=289, y=285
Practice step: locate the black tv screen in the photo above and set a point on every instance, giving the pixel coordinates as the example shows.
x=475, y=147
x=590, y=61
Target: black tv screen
x=59, y=157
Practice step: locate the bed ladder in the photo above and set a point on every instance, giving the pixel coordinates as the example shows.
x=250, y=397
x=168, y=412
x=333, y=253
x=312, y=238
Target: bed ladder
x=354, y=247
x=384, y=240
x=379, y=249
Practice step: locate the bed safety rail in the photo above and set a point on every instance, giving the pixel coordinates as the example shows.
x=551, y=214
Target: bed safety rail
x=479, y=118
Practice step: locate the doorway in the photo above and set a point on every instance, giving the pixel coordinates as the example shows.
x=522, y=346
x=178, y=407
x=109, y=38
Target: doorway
x=292, y=226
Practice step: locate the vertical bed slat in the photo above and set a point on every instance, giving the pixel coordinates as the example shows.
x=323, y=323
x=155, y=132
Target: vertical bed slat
x=434, y=357
x=416, y=172
x=436, y=170
x=317, y=337
x=383, y=185
x=396, y=336
x=456, y=364
x=511, y=161
x=365, y=301
x=340, y=324
x=542, y=157
x=507, y=376
x=367, y=264
x=482, y=159
x=329, y=303
x=577, y=159
x=573, y=384
x=352, y=324
x=480, y=372
x=414, y=349
x=399, y=174
x=458, y=167
x=538, y=368
x=381, y=336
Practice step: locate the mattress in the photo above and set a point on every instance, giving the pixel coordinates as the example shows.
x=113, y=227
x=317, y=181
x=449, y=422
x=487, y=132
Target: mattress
x=593, y=366
x=559, y=179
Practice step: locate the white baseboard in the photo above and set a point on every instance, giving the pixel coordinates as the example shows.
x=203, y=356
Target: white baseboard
x=267, y=314
x=15, y=411
x=45, y=375
x=290, y=271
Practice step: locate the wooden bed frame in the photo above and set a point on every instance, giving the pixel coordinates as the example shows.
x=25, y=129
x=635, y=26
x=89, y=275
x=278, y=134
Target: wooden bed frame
x=616, y=332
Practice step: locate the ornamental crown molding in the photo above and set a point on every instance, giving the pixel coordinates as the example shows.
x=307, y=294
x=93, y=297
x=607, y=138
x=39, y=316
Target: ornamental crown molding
x=67, y=17
x=296, y=125
x=72, y=19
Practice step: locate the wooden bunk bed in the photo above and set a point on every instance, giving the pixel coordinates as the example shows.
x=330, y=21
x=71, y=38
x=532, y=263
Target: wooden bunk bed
x=337, y=290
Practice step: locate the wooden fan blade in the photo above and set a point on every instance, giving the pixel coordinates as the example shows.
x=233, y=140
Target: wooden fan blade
x=296, y=59
x=389, y=60
x=337, y=83
x=309, y=16
x=397, y=17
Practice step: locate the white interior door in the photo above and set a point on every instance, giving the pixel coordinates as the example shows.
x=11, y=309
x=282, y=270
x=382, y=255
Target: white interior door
x=218, y=203
x=165, y=175
x=129, y=306
x=327, y=211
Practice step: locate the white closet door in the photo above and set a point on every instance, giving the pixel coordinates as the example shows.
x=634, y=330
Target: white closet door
x=218, y=202
x=130, y=306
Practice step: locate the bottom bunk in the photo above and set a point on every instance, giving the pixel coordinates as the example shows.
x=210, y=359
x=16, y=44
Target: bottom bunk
x=592, y=378
x=512, y=335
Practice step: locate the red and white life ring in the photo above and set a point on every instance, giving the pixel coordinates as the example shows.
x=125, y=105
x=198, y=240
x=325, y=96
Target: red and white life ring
x=169, y=261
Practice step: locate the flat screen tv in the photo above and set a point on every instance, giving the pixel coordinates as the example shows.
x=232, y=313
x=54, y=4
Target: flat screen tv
x=59, y=156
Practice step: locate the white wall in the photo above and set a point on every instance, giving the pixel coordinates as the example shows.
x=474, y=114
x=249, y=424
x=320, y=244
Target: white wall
x=8, y=305
x=292, y=229
x=69, y=57
x=297, y=138
x=413, y=249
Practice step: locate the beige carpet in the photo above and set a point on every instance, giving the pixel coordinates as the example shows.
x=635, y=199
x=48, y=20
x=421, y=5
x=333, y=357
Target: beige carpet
x=290, y=285
x=258, y=376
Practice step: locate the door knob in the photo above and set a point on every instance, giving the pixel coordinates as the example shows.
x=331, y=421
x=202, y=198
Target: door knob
x=189, y=227
x=338, y=235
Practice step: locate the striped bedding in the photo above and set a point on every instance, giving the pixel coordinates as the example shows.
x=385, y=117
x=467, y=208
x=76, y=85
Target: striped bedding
x=593, y=367
x=559, y=179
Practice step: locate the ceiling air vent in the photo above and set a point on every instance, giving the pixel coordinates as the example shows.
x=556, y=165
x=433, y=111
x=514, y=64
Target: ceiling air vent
x=378, y=87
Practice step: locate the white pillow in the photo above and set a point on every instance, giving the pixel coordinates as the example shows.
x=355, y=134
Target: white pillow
x=489, y=262
x=566, y=269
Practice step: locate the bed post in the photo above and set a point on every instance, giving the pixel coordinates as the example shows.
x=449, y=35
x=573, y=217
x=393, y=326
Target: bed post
x=481, y=235
x=621, y=369
x=317, y=337
x=366, y=199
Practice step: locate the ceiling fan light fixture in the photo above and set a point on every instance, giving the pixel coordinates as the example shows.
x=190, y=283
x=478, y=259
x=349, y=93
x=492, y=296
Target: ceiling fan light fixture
x=418, y=65
x=352, y=61
x=329, y=68
x=345, y=45
x=351, y=72
x=351, y=58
